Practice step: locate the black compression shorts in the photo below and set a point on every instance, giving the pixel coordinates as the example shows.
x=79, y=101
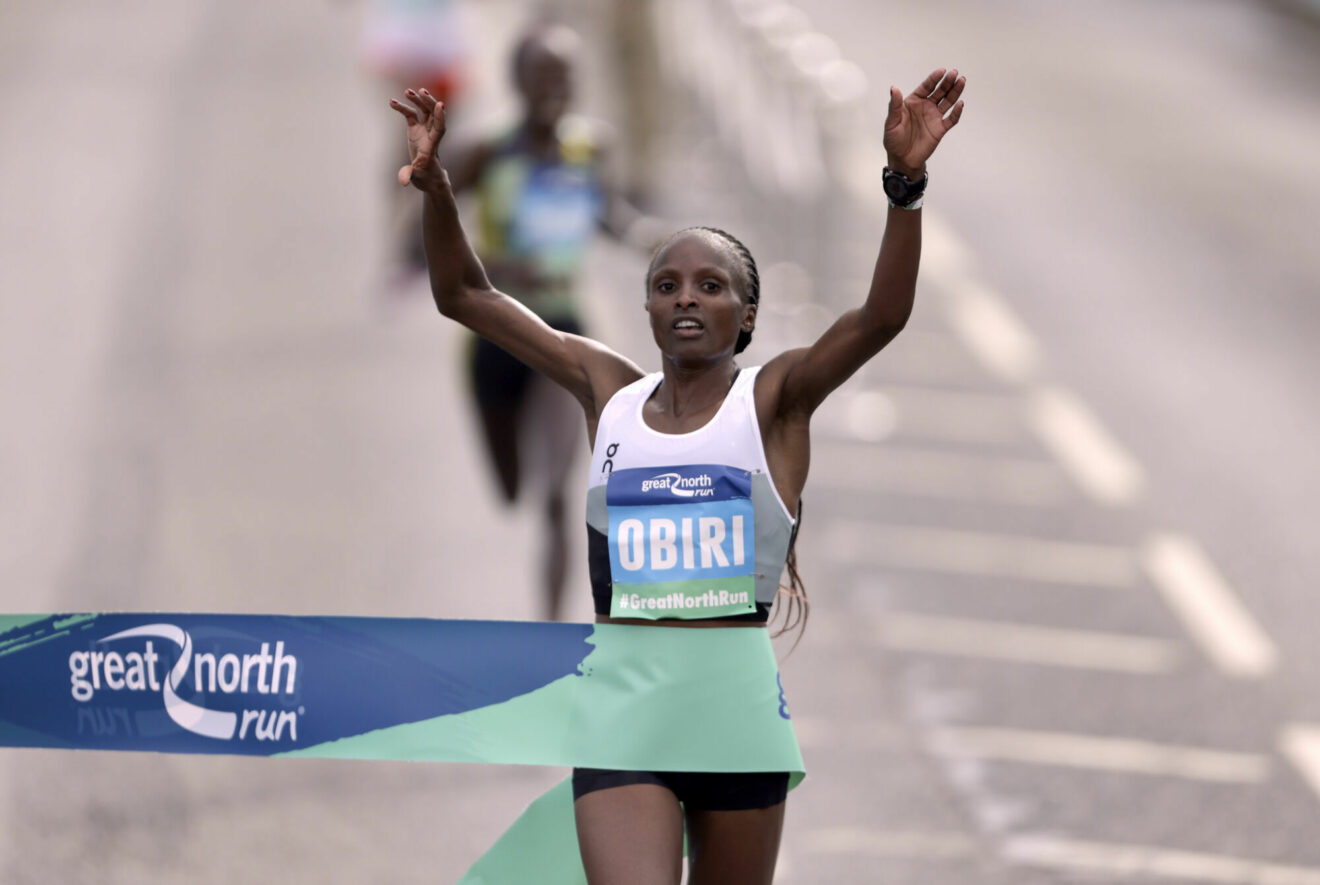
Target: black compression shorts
x=698, y=791
x=499, y=378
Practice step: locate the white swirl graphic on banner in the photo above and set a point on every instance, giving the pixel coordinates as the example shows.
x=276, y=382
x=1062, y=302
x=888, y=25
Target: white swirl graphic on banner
x=199, y=720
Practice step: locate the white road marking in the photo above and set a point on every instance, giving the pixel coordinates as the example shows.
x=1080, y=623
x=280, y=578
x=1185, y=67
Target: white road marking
x=928, y=413
x=990, y=330
x=1099, y=753
x=920, y=356
x=1082, y=649
x=977, y=553
x=981, y=318
x=871, y=415
x=1207, y=606
x=1301, y=744
x=1097, y=462
x=1148, y=861
x=948, y=475
x=888, y=843
x=829, y=733
x=934, y=413
x=856, y=166
x=944, y=254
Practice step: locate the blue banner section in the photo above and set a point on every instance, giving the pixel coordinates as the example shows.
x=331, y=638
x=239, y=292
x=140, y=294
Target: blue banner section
x=259, y=685
x=647, y=486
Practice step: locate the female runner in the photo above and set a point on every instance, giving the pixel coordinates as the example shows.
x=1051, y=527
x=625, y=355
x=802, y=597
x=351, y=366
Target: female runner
x=699, y=425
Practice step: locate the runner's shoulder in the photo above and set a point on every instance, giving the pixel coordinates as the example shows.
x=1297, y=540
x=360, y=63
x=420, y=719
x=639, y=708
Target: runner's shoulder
x=608, y=370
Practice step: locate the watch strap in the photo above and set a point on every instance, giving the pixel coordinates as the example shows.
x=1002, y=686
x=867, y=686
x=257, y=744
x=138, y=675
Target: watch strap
x=909, y=191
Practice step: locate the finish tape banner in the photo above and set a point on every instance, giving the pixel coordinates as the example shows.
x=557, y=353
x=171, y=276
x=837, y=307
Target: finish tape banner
x=512, y=692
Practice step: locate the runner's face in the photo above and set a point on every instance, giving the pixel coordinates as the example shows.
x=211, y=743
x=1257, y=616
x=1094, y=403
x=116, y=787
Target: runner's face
x=694, y=297
x=546, y=83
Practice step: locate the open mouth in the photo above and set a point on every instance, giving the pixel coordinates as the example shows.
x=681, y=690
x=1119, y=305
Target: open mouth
x=688, y=325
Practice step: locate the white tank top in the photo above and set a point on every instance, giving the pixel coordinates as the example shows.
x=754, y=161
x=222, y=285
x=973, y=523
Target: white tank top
x=684, y=525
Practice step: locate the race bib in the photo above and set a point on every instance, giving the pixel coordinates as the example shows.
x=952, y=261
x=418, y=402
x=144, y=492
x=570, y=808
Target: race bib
x=682, y=542
x=555, y=216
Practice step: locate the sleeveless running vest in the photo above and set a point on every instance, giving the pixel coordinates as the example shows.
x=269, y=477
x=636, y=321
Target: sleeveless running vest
x=684, y=525
x=542, y=213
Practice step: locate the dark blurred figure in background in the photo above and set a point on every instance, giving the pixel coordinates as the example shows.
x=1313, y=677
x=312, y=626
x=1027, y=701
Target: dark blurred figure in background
x=406, y=43
x=542, y=188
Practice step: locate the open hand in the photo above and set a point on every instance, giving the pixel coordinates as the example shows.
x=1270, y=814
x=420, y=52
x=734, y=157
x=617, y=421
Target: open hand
x=915, y=124
x=426, y=126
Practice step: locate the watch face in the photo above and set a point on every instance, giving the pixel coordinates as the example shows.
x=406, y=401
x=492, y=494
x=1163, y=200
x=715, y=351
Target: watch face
x=894, y=188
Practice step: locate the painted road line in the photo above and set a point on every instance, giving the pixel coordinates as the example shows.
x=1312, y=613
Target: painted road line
x=976, y=553
x=1301, y=745
x=1082, y=649
x=947, y=475
x=981, y=319
x=1099, y=754
x=1207, y=606
x=1149, y=861
x=858, y=159
x=887, y=843
x=828, y=733
x=868, y=415
x=927, y=413
x=944, y=254
x=1073, y=434
x=959, y=416
x=990, y=330
x=921, y=356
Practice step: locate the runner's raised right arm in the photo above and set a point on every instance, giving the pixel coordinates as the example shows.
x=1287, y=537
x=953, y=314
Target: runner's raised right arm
x=587, y=369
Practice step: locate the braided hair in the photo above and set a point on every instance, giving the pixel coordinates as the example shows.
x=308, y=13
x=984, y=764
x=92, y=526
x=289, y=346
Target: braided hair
x=751, y=278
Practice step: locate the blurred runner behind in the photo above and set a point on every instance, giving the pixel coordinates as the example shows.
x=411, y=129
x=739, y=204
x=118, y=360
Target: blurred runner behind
x=542, y=188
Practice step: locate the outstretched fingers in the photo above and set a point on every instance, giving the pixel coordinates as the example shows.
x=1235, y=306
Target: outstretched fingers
x=952, y=92
x=408, y=113
x=927, y=86
x=424, y=106
x=950, y=102
x=432, y=111
x=954, y=116
x=426, y=126
x=941, y=92
x=424, y=100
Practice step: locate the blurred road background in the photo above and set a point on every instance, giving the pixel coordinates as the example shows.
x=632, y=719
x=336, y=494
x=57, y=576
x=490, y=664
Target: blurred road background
x=1060, y=537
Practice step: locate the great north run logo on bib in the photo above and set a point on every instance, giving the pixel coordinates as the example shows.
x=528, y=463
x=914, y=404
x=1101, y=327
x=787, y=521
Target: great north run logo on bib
x=682, y=542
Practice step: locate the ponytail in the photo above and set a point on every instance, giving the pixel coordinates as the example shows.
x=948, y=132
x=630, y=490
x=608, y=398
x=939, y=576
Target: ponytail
x=792, y=599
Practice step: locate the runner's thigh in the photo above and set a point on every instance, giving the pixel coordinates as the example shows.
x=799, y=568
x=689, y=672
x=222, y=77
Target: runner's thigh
x=734, y=847
x=631, y=835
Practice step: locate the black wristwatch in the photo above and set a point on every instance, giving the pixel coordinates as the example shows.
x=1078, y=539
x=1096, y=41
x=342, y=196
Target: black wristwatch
x=901, y=190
